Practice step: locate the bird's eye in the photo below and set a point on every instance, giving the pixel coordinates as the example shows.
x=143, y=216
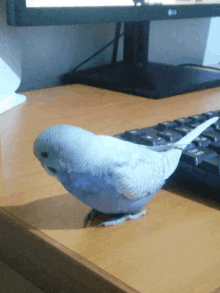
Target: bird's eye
x=52, y=170
x=44, y=155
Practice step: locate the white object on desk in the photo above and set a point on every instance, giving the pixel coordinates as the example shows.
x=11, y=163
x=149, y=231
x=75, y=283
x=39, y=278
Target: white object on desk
x=9, y=82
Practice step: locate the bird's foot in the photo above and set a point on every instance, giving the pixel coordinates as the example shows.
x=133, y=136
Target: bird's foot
x=115, y=220
x=91, y=215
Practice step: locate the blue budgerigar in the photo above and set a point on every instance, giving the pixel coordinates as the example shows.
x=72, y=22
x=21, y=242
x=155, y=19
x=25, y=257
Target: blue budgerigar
x=110, y=175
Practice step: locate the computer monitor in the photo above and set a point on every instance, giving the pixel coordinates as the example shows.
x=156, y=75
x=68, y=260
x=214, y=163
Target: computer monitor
x=65, y=12
x=134, y=74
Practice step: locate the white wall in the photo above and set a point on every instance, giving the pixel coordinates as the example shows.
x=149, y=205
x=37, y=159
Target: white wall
x=212, y=53
x=49, y=52
x=9, y=43
x=179, y=41
x=185, y=41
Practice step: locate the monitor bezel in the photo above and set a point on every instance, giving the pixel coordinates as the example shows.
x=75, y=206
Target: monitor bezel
x=19, y=15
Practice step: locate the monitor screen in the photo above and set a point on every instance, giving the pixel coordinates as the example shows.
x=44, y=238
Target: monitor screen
x=65, y=12
x=107, y=3
x=83, y=3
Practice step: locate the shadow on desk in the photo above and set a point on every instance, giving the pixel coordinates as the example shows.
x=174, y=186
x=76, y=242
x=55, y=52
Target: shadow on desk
x=64, y=211
x=60, y=212
x=54, y=213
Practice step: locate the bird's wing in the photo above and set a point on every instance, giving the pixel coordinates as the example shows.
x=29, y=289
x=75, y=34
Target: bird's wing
x=138, y=174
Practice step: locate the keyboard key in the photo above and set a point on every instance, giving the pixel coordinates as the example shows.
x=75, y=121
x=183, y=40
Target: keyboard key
x=190, y=146
x=196, y=156
x=166, y=125
x=194, y=125
x=183, y=130
x=129, y=134
x=197, y=118
x=211, y=114
x=212, y=135
x=211, y=165
x=170, y=135
x=215, y=146
x=132, y=134
x=216, y=125
x=151, y=139
x=183, y=121
x=202, y=141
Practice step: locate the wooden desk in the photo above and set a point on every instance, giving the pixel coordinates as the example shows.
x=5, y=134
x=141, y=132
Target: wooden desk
x=174, y=248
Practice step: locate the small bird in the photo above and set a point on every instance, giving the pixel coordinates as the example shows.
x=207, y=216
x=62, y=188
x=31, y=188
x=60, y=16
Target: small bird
x=110, y=175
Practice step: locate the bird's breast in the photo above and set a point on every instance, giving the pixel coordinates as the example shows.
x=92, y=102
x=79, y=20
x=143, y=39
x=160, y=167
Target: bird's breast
x=99, y=192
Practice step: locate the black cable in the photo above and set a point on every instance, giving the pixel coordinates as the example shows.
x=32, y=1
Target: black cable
x=115, y=49
x=98, y=52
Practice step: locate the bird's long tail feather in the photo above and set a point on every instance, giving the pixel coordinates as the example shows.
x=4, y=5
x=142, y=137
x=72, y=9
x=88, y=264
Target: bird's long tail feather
x=183, y=142
x=174, y=153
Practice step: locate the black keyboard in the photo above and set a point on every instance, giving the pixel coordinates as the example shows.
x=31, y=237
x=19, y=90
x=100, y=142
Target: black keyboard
x=199, y=167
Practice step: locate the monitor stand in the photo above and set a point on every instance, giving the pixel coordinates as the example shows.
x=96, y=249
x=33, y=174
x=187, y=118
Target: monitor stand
x=135, y=75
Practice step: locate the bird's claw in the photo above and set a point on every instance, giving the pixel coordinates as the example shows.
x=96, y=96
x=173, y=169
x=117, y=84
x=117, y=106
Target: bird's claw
x=118, y=220
x=91, y=215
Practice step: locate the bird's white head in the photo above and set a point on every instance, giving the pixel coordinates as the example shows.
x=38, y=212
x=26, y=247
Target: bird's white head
x=60, y=146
